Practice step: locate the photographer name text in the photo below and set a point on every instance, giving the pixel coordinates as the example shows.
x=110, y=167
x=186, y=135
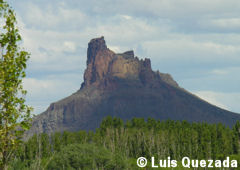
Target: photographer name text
x=186, y=163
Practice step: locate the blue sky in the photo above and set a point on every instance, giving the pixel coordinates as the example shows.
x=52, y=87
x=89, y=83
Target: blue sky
x=197, y=42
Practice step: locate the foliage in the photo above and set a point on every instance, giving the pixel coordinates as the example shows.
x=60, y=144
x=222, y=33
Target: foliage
x=14, y=114
x=85, y=156
x=117, y=145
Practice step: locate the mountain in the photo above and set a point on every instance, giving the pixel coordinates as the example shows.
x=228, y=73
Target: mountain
x=122, y=85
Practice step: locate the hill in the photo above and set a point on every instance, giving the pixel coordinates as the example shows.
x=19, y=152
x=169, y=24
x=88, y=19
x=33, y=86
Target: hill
x=124, y=86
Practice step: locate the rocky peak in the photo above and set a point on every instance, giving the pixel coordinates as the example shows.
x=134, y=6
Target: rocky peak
x=98, y=59
x=128, y=54
x=94, y=46
x=147, y=63
x=103, y=65
x=121, y=85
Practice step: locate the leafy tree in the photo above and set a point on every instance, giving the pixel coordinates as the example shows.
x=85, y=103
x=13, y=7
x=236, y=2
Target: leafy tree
x=236, y=137
x=14, y=113
x=86, y=156
x=117, y=145
x=56, y=140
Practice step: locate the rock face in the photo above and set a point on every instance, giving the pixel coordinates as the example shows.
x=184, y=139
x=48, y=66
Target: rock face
x=103, y=65
x=124, y=86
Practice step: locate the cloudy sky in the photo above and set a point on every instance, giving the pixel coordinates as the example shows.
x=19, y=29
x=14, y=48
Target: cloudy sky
x=197, y=42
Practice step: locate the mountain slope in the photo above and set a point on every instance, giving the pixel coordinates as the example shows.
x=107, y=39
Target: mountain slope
x=121, y=85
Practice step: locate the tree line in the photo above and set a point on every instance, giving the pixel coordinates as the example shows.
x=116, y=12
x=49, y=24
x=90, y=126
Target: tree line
x=117, y=145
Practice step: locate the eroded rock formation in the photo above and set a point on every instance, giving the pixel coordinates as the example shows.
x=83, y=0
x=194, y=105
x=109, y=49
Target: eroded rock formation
x=125, y=86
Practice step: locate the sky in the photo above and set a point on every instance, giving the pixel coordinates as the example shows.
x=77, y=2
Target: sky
x=197, y=42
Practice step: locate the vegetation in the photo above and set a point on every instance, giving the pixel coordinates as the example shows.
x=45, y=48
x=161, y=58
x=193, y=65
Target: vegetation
x=14, y=114
x=117, y=145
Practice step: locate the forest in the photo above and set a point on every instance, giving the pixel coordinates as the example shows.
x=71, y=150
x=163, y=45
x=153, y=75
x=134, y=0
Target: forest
x=117, y=145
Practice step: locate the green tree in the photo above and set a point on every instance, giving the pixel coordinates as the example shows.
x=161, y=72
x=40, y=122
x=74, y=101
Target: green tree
x=14, y=113
x=86, y=156
x=236, y=137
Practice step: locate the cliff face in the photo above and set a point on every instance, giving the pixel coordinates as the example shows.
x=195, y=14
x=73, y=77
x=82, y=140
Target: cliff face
x=103, y=65
x=98, y=61
x=124, y=86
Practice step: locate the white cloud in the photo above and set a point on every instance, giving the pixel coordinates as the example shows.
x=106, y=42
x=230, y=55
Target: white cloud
x=227, y=23
x=48, y=88
x=186, y=50
x=127, y=17
x=196, y=41
x=211, y=97
x=52, y=17
x=69, y=46
x=220, y=24
x=219, y=72
x=218, y=79
x=125, y=31
x=228, y=101
x=42, y=92
x=162, y=8
x=116, y=49
x=226, y=71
